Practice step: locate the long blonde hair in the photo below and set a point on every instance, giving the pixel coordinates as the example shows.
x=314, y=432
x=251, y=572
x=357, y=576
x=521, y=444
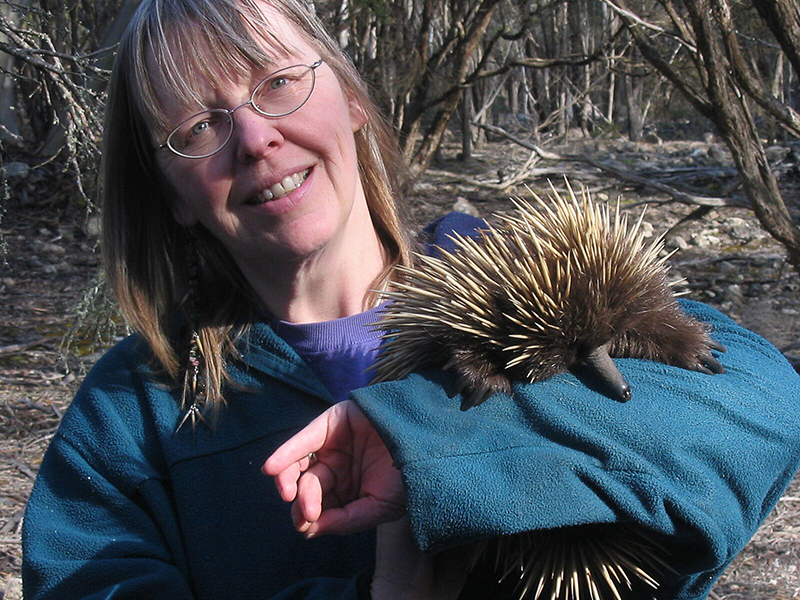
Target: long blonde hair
x=146, y=253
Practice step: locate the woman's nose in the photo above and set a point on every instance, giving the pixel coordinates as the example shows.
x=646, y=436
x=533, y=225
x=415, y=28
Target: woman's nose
x=255, y=135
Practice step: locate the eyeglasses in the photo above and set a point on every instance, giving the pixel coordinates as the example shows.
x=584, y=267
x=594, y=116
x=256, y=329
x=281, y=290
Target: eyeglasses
x=279, y=94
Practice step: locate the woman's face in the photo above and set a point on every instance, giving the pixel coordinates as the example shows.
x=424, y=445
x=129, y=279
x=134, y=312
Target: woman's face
x=227, y=192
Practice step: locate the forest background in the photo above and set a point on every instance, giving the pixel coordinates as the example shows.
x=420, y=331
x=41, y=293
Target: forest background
x=688, y=106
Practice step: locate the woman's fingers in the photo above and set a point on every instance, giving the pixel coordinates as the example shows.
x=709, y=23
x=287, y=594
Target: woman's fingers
x=296, y=455
x=338, y=473
x=298, y=520
x=298, y=448
x=319, y=509
x=313, y=487
x=286, y=482
x=355, y=517
x=317, y=485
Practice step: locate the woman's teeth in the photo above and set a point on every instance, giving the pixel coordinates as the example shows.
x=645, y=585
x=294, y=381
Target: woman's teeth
x=280, y=189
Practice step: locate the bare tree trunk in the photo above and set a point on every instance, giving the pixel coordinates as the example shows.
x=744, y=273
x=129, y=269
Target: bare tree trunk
x=564, y=102
x=783, y=19
x=610, y=93
x=732, y=115
x=583, y=33
x=446, y=106
x=512, y=90
x=722, y=100
x=735, y=121
x=466, y=126
x=634, y=88
x=9, y=125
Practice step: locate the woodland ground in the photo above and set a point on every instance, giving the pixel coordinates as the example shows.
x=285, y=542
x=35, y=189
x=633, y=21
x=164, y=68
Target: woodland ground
x=729, y=262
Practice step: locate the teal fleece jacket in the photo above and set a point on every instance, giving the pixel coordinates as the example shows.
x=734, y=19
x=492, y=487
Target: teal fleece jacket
x=124, y=508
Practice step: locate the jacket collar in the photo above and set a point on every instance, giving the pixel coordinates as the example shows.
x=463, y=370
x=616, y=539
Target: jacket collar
x=262, y=349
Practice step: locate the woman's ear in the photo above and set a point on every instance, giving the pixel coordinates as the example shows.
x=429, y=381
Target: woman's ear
x=358, y=116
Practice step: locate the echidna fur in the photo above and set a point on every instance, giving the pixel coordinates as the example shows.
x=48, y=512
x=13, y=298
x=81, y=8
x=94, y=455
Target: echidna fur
x=544, y=291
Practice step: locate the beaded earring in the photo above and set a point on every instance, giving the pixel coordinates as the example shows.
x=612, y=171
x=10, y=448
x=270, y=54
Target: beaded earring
x=194, y=385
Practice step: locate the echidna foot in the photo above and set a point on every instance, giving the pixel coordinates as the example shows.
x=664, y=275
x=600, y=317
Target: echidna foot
x=706, y=362
x=680, y=340
x=475, y=386
x=475, y=396
x=696, y=355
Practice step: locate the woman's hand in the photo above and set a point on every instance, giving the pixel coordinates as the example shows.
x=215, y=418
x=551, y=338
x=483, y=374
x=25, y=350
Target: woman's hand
x=349, y=485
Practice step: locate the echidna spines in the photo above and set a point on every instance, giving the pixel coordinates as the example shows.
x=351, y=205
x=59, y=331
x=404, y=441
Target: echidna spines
x=533, y=294
x=598, y=562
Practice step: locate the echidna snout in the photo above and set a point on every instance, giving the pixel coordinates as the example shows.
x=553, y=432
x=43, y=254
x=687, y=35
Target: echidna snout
x=598, y=362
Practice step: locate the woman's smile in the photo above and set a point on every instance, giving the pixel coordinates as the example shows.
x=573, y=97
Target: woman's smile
x=282, y=197
x=280, y=189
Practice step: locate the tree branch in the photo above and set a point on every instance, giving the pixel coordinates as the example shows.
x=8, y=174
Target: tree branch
x=675, y=194
x=652, y=53
x=783, y=113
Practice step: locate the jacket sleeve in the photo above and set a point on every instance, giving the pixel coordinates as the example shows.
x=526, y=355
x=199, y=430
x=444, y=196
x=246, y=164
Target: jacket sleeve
x=700, y=460
x=101, y=521
x=86, y=538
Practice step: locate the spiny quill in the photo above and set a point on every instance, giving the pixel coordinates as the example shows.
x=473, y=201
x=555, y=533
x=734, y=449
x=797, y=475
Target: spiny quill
x=594, y=562
x=544, y=291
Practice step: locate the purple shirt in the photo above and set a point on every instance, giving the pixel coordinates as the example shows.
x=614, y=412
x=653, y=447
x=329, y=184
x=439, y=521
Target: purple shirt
x=341, y=352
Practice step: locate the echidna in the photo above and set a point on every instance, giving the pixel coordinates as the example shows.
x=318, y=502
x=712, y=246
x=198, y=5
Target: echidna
x=546, y=291
x=543, y=292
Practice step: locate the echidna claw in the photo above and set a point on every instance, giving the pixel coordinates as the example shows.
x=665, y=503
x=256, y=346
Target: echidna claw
x=478, y=396
x=701, y=368
x=713, y=364
x=458, y=387
x=715, y=345
x=708, y=365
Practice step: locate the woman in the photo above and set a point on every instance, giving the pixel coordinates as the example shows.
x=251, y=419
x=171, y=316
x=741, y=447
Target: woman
x=249, y=212
x=249, y=188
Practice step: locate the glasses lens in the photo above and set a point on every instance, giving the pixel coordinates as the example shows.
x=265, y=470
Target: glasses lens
x=284, y=91
x=201, y=134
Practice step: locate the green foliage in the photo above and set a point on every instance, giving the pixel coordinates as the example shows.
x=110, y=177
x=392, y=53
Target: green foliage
x=97, y=321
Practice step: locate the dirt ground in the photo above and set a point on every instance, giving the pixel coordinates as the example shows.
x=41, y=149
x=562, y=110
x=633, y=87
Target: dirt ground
x=51, y=260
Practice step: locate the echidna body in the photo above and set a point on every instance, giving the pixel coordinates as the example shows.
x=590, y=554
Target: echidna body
x=544, y=291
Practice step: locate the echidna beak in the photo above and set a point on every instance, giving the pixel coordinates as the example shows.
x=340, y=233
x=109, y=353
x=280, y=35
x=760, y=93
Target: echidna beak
x=599, y=364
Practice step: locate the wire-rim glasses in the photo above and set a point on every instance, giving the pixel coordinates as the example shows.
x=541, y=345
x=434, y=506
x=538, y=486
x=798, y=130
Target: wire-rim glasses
x=279, y=94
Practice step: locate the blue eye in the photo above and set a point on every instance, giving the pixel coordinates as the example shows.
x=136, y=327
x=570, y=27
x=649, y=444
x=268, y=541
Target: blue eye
x=199, y=128
x=278, y=82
